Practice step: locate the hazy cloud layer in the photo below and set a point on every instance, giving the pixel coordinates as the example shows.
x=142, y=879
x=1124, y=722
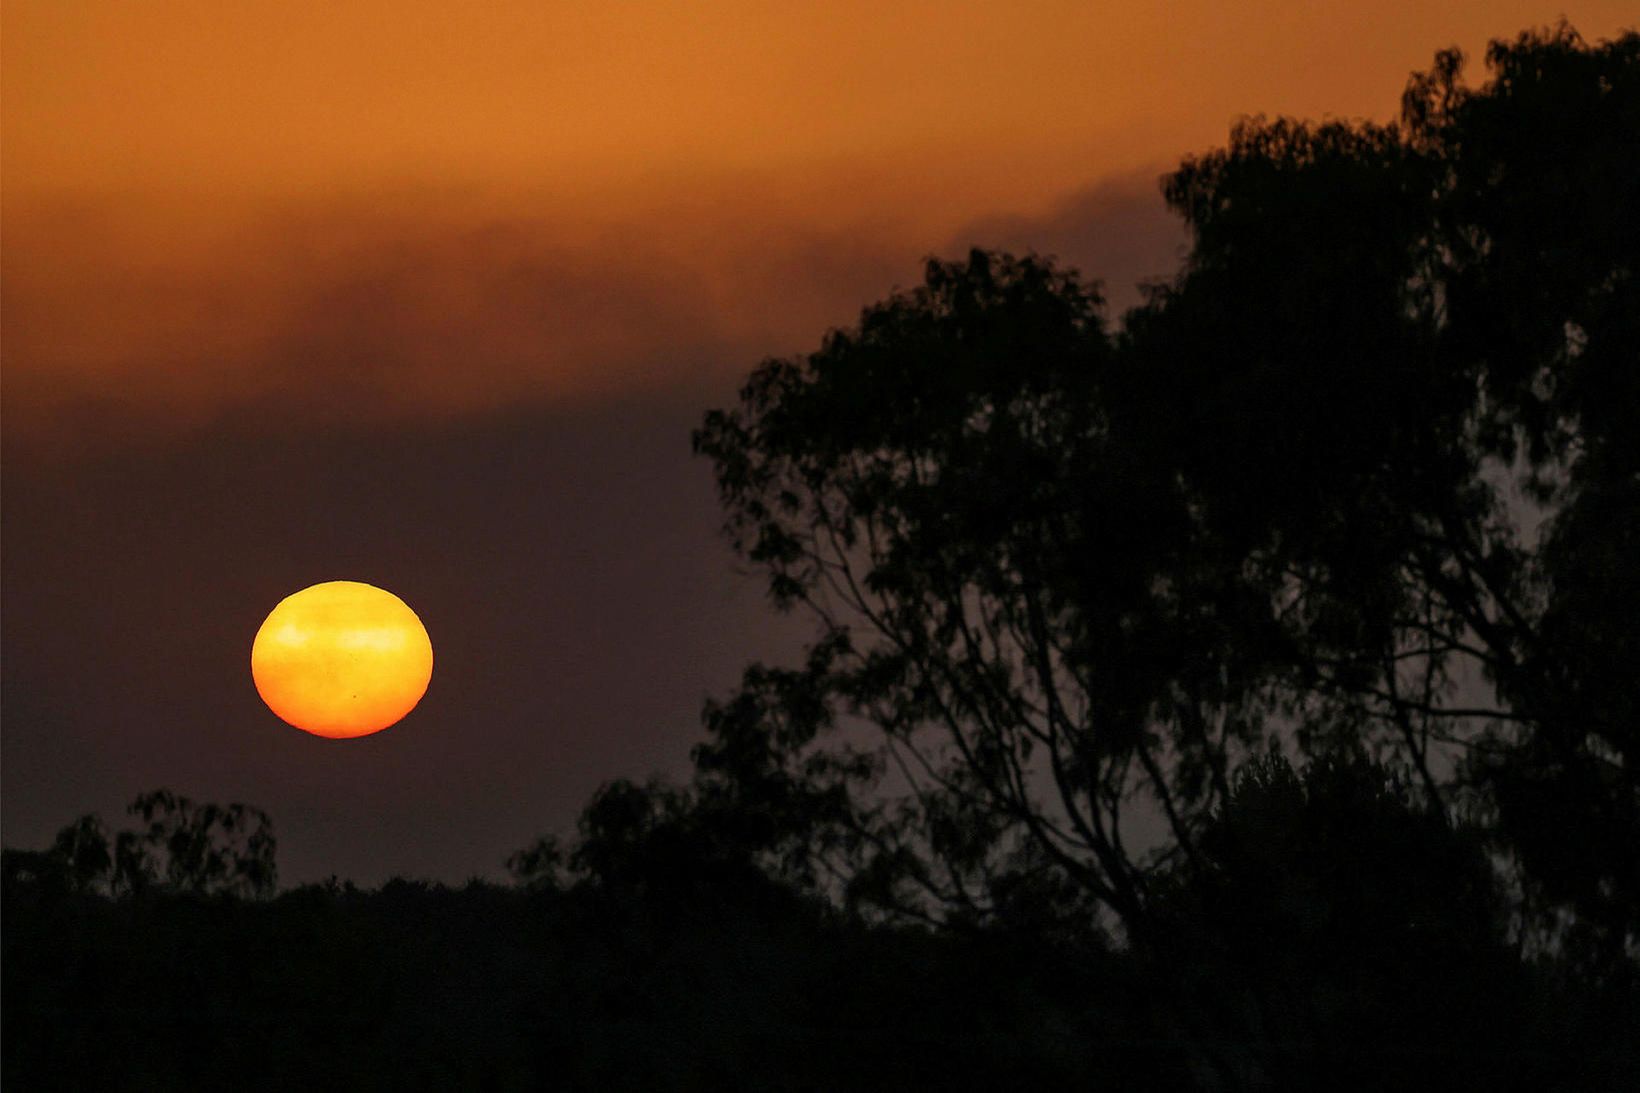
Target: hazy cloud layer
x=141, y=318
x=349, y=314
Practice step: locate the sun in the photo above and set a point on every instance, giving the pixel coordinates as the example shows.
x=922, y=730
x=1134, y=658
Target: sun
x=342, y=659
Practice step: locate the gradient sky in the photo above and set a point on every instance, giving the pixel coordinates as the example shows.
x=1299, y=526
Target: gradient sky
x=429, y=295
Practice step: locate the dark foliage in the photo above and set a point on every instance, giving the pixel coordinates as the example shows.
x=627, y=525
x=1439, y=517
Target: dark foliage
x=1339, y=931
x=1340, y=936
x=417, y=987
x=1362, y=479
x=181, y=846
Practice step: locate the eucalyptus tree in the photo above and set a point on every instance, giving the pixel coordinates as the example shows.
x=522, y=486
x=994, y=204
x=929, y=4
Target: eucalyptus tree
x=1362, y=478
x=180, y=845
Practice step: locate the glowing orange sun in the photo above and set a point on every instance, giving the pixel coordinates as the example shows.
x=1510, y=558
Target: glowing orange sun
x=342, y=659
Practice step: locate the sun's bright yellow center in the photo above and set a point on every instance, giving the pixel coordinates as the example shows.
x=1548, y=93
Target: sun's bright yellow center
x=342, y=659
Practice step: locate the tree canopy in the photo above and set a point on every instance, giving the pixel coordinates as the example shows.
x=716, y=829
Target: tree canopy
x=181, y=846
x=1362, y=480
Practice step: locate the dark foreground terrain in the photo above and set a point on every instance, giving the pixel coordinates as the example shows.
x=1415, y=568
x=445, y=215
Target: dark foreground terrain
x=487, y=987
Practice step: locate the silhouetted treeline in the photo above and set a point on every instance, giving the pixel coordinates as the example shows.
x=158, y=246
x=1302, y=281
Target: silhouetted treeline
x=1241, y=698
x=418, y=987
x=1346, y=938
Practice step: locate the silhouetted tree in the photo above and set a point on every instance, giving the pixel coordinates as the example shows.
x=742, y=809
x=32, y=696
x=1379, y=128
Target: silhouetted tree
x=184, y=846
x=202, y=848
x=82, y=847
x=1409, y=355
x=1363, y=477
x=1342, y=932
x=659, y=850
x=908, y=483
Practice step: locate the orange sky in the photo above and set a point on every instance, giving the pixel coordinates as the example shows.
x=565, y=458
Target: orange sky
x=428, y=205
